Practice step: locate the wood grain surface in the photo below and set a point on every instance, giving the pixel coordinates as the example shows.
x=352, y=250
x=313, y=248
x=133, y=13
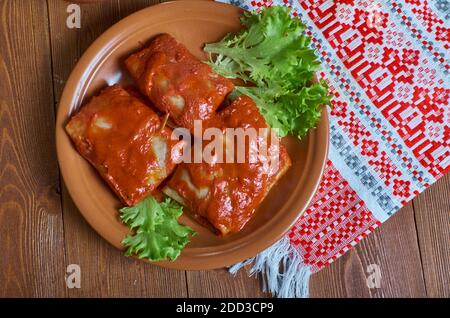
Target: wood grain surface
x=31, y=220
x=42, y=232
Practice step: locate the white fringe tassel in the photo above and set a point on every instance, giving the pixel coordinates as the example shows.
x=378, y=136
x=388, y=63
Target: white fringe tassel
x=282, y=268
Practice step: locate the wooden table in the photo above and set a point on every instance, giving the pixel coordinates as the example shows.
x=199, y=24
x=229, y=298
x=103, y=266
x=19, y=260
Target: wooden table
x=41, y=231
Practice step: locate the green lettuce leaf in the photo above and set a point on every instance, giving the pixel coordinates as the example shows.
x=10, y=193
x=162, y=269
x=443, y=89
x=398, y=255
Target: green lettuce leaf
x=157, y=234
x=273, y=54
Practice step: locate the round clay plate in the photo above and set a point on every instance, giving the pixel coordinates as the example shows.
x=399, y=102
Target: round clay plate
x=193, y=23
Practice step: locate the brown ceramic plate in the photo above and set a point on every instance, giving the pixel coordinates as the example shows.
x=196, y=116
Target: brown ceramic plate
x=192, y=23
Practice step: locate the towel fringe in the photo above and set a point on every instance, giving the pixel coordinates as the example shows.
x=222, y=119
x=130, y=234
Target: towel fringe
x=284, y=273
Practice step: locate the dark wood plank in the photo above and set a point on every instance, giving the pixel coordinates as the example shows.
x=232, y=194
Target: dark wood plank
x=69, y=44
x=432, y=211
x=220, y=283
x=394, y=247
x=105, y=271
x=31, y=225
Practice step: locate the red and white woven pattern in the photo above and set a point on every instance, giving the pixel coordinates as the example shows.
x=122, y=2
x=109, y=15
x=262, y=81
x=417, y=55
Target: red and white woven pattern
x=387, y=63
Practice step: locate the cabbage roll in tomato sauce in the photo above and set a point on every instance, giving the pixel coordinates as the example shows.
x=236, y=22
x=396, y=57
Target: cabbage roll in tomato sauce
x=177, y=82
x=226, y=195
x=125, y=141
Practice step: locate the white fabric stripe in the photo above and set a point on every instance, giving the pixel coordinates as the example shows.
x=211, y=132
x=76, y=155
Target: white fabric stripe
x=439, y=13
x=428, y=36
x=355, y=183
x=438, y=48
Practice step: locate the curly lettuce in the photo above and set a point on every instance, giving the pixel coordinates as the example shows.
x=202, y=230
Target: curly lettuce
x=157, y=234
x=272, y=54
